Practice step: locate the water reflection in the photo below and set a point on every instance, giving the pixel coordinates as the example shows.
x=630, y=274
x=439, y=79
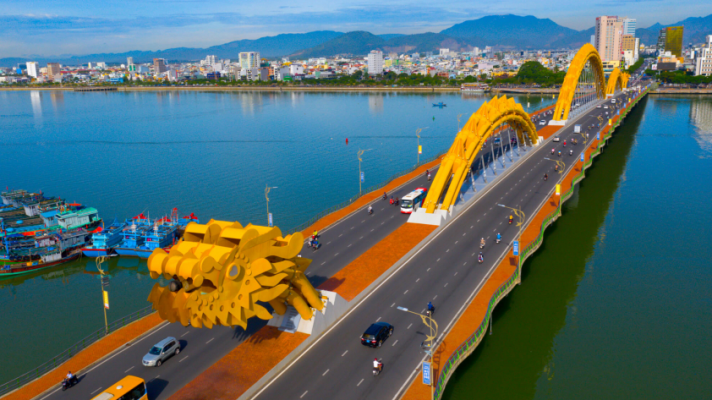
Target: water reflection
x=36, y=100
x=57, y=97
x=375, y=103
x=701, y=119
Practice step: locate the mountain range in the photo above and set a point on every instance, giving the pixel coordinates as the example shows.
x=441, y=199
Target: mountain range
x=507, y=32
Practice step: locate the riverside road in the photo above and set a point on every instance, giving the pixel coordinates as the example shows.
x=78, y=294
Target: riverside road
x=445, y=271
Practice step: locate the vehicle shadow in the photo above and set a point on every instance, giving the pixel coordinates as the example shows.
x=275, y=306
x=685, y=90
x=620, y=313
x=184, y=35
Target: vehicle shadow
x=155, y=386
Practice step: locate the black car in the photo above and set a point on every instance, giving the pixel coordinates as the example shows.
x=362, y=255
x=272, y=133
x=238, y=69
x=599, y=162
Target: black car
x=376, y=334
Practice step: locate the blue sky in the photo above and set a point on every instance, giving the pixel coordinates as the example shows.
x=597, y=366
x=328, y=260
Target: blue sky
x=51, y=28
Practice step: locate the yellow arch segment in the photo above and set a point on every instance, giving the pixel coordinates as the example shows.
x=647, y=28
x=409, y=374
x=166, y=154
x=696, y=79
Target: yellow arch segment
x=568, y=89
x=481, y=125
x=615, y=82
x=625, y=77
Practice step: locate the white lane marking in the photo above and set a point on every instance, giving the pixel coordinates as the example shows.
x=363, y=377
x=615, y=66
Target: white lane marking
x=352, y=227
x=128, y=369
x=209, y=340
x=456, y=241
x=447, y=251
x=456, y=272
x=95, y=391
x=464, y=234
x=393, y=305
x=344, y=353
x=409, y=326
x=436, y=296
x=328, y=243
x=472, y=226
x=185, y=334
x=379, y=318
x=372, y=230
x=304, y=394
x=394, y=343
x=403, y=293
x=349, y=245
x=336, y=254
x=416, y=281
x=445, y=285
x=181, y=360
x=325, y=372
x=360, y=238
x=341, y=235
x=116, y=354
x=437, y=260
x=323, y=263
x=363, y=221
x=427, y=270
x=157, y=376
x=359, y=383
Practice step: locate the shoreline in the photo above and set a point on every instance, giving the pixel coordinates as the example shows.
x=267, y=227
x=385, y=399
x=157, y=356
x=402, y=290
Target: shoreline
x=239, y=89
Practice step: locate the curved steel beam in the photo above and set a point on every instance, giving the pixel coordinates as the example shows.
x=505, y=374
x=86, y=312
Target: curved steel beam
x=586, y=54
x=482, y=124
x=615, y=82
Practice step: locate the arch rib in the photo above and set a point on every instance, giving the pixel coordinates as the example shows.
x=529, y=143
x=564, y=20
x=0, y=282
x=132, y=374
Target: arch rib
x=615, y=82
x=587, y=53
x=468, y=142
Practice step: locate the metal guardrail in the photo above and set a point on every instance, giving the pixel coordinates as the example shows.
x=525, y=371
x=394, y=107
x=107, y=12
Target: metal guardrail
x=366, y=191
x=466, y=348
x=42, y=369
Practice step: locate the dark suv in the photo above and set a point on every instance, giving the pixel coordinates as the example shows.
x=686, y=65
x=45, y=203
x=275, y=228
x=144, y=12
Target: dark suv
x=376, y=334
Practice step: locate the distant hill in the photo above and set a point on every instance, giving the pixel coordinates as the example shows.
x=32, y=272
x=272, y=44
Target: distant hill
x=516, y=32
x=270, y=46
x=361, y=43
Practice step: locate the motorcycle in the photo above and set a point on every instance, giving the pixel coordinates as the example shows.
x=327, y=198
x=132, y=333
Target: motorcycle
x=546, y=177
x=377, y=370
x=67, y=383
x=385, y=196
x=370, y=211
x=498, y=240
x=480, y=259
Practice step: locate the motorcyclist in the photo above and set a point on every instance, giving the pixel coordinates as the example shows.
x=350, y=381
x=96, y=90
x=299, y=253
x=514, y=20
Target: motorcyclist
x=499, y=237
x=70, y=375
x=370, y=209
x=559, y=153
x=377, y=364
x=556, y=168
x=546, y=176
x=431, y=308
x=481, y=257
x=564, y=143
x=511, y=218
x=553, y=151
x=427, y=173
x=392, y=200
x=482, y=243
x=571, y=152
x=385, y=195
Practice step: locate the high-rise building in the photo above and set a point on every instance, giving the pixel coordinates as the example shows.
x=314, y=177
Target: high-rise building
x=609, y=30
x=629, y=25
x=661, y=40
x=159, y=65
x=129, y=61
x=703, y=62
x=673, y=40
x=54, y=71
x=593, y=40
x=375, y=62
x=250, y=59
x=33, y=69
x=627, y=42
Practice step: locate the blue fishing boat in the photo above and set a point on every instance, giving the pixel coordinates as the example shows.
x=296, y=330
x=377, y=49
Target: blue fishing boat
x=441, y=104
x=160, y=236
x=133, y=237
x=103, y=242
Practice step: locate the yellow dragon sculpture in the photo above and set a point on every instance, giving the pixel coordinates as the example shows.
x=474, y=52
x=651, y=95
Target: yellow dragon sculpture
x=220, y=270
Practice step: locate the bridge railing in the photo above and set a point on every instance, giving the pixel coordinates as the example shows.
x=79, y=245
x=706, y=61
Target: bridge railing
x=57, y=360
x=466, y=348
x=368, y=190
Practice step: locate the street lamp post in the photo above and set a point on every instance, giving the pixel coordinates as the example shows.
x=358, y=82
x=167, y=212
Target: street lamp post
x=267, y=189
x=99, y=261
x=417, y=133
x=562, y=166
x=358, y=155
x=431, y=339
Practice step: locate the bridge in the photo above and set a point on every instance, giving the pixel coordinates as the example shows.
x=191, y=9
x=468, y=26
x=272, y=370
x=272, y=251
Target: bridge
x=432, y=258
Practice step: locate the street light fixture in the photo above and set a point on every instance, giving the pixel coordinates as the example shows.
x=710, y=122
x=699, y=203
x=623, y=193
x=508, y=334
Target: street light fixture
x=358, y=155
x=417, y=133
x=267, y=189
x=431, y=339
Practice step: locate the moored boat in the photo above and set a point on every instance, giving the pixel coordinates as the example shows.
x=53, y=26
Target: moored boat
x=133, y=237
x=160, y=236
x=104, y=242
x=45, y=261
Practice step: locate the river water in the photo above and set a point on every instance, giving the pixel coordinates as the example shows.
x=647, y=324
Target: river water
x=617, y=303
x=207, y=153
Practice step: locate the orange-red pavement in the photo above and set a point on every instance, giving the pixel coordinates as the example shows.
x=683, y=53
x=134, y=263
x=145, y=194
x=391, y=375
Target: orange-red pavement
x=86, y=357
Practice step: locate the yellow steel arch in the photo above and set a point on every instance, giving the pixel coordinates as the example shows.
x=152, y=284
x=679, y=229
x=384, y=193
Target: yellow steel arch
x=586, y=54
x=615, y=82
x=625, y=77
x=481, y=125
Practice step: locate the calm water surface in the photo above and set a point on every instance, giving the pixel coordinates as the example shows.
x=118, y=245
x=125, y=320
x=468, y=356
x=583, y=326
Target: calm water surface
x=208, y=153
x=617, y=304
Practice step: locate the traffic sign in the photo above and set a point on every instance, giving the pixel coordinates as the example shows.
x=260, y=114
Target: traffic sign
x=363, y=177
x=426, y=373
x=582, y=157
x=270, y=222
x=515, y=247
x=598, y=135
x=106, y=299
x=420, y=149
x=104, y=281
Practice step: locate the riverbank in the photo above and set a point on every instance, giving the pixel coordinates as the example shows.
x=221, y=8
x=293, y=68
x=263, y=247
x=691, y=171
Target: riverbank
x=665, y=91
x=248, y=89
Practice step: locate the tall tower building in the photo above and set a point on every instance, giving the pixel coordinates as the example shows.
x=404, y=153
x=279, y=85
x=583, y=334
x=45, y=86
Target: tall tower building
x=159, y=65
x=609, y=31
x=629, y=25
x=249, y=59
x=33, y=69
x=129, y=61
x=54, y=70
x=673, y=40
x=375, y=62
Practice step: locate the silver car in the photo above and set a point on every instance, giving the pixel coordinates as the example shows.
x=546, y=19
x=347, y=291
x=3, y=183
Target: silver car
x=162, y=350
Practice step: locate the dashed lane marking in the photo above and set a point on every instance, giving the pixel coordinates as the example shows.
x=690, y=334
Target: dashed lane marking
x=394, y=343
x=416, y=281
x=323, y=263
x=436, y=296
x=209, y=340
x=409, y=326
x=427, y=270
x=304, y=394
x=359, y=382
x=445, y=285
x=379, y=318
x=403, y=293
x=181, y=360
x=456, y=272
x=128, y=369
x=185, y=334
x=344, y=353
x=393, y=305
x=325, y=372
x=95, y=391
x=328, y=243
x=447, y=251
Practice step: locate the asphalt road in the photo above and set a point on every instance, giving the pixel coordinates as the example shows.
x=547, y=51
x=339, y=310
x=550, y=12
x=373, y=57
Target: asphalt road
x=445, y=272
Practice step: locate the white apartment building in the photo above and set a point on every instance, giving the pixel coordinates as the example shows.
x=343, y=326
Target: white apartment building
x=250, y=59
x=703, y=64
x=33, y=69
x=629, y=25
x=375, y=62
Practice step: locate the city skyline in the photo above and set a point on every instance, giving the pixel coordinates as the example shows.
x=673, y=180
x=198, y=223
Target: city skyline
x=56, y=29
